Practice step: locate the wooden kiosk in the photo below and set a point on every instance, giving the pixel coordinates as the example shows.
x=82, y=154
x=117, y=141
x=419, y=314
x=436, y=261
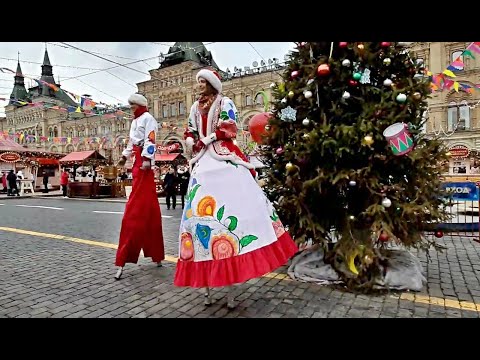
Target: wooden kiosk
x=86, y=187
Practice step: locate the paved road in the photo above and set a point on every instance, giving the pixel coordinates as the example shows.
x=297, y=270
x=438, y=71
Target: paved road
x=56, y=260
x=92, y=220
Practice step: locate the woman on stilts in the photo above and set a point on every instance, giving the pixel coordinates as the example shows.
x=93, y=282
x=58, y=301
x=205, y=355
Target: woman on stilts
x=229, y=232
x=142, y=221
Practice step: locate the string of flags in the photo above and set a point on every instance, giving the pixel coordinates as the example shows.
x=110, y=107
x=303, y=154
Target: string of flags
x=88, y=106
x=447, y=78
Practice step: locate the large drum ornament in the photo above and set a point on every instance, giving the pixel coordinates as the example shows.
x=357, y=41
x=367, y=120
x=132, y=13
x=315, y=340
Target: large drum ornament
x=400, y=140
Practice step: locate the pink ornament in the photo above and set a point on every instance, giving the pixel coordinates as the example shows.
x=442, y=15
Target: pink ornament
x=294, y=74
x=323, y=70
x=385, y=44
x=279, y=151
x=343, y=44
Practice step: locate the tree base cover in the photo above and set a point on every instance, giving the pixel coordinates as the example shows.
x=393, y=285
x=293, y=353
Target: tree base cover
x=401, y=270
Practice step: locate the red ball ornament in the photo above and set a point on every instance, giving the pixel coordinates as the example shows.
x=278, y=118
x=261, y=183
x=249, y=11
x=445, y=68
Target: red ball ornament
x=343, y=44
x=383, y=237
x=294, y=74
x=323, y=70
x=256, y=127
x=385, y=44
x=438, y=233
x=352, y=83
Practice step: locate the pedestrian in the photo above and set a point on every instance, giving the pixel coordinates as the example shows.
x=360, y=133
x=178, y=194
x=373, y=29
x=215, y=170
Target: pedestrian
x=170, y=183
x=64, y=182
x=12, y=184
x=229, y=232
x=4, y=182
x=45, y=182
x=142, y=222
x=183, y=177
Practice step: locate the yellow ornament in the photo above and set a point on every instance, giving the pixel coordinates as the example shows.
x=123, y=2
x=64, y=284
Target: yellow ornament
x=291, y=94
x=368, y=140
x=288, y=166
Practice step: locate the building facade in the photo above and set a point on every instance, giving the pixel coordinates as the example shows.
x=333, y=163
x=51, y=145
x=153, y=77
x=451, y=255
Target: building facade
x=454, y=115
x=170, y=92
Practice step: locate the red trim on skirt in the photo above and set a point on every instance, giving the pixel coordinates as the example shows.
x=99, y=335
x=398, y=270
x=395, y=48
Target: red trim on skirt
x=237, y=269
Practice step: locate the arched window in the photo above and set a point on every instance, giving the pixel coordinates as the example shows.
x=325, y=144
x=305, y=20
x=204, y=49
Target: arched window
x=248, y=100
x=55, y=132
x=458, y=116
x=259, y=99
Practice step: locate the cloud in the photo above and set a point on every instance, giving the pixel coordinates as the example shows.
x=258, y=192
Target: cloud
x=115, y=85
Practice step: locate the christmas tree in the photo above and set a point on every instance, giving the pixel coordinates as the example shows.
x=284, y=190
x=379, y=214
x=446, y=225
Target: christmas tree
x=349, y=165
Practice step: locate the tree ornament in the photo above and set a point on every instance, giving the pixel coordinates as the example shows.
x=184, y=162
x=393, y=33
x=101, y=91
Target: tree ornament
x=343, y=44
x=387, y=82
x=308, y=94
x=386, y=202
x=346, y=63
x=365, y=78
x=385, y=44
x=383, y=237
x=323, y=70
x=346, y=95
x=294, y=74
x=280, y=151
x=352, y=183
x=291, y=94
x=439, y=234
x=288, y=114
x=289, y=166
x=352, y=83
x=306, y=136
x=357, y=76
x=399, y=138
x=284, y=100
x=401, y=98
x=272, y=85
x=258, y=127
x=417, y=96
x=368, y=140
x=387, y=61
x=361, y=47
x=306, y=122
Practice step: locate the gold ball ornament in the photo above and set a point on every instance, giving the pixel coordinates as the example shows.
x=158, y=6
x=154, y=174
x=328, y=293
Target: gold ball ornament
x=387, y=61
x=291, y=94
x=368, y=140
x=368, y=259
x=289, y=166
x=417, y=96
x=361, y=47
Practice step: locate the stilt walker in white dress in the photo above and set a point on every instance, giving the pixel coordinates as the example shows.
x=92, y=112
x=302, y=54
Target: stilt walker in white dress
x=229, y=232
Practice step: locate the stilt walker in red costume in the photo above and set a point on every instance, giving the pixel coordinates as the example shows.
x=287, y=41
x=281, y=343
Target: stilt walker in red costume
x=229, y=232
x=142, y=221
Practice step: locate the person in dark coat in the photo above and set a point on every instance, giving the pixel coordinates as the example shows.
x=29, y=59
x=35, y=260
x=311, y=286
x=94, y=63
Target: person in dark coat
x=170, y=183
x=12, y=184
x=45, y=182
x=183, y=178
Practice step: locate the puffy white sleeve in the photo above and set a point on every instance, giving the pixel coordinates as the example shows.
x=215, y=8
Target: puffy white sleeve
x=127, y=152
x=149, y=147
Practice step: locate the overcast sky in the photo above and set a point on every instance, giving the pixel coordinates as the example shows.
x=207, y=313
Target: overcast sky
x=117, y=84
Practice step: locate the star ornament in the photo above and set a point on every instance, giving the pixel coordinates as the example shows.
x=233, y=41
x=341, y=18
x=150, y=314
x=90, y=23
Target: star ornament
x=288, y=114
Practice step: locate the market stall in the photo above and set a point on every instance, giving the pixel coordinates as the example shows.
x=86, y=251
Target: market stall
x=33, y=163
x=85, y=182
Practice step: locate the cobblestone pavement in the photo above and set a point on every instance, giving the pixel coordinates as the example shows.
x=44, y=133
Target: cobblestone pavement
x=59, y=263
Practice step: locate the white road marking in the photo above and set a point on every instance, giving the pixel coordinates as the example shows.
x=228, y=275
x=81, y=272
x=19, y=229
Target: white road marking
x=121, y=212
x=40, y=207
x=108, y=212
